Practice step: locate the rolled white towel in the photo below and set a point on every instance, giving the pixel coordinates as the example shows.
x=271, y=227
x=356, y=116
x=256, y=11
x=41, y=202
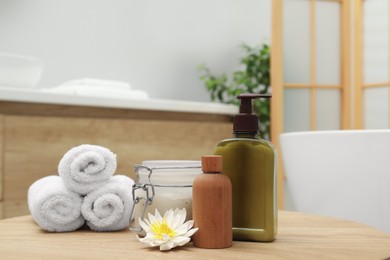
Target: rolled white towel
x=109, y=207
x=85, y=82
x=85, y=168
x=53, y=207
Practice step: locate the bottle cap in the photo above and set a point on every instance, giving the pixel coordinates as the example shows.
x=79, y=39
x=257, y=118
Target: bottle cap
x=212, y=163
x=245, y=121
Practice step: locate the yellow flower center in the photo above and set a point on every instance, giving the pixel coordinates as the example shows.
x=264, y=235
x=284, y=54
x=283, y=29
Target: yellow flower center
x=161, y=227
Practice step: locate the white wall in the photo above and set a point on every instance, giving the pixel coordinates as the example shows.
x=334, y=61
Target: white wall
x=155, y=45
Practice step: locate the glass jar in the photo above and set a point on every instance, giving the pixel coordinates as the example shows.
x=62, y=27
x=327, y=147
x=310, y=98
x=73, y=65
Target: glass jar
x=163, y=185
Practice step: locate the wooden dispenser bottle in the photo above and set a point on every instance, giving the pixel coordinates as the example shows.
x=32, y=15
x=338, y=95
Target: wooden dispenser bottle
x=212, y=205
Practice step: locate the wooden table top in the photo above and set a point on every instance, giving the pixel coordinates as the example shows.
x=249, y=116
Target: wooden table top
x=300, y=236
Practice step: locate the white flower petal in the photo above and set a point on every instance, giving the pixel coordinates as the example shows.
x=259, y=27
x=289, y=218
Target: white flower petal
x=157, y=214
x=158, y=242
x=146, y=239
x=166, y=237
x=189, y=223
x=146, y=221
x=169, y=217
x=183, y=214
x=168, y=212
x=144, y=225
x=180, y=217
x=167, y=246
x=149, y=241
x=181, y=240
x=153, y=218
x=181, y=230
x=175, y=222
x=191, y=232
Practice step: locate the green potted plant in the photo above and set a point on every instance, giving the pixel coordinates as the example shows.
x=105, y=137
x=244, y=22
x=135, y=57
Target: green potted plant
x=254, y=78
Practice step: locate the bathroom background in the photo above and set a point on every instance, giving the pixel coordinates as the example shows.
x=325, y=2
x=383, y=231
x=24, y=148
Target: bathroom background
x=154, y=45
x=157, y=46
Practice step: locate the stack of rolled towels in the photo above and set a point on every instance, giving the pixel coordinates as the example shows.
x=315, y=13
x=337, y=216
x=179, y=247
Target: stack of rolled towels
x=86, y=191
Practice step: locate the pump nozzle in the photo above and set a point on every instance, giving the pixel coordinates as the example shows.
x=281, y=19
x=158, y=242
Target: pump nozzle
x=246, y=121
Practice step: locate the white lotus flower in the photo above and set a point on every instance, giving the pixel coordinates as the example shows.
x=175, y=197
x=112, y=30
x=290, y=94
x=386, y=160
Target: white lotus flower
x=169, y=231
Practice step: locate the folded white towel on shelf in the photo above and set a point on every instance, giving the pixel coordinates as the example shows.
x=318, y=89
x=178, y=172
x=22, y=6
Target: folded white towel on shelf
x=98, y=91
x=89, y=82
x=109, y=207
x=112, y=93
x=85, y=168
x=98, y=88
x=53, y=207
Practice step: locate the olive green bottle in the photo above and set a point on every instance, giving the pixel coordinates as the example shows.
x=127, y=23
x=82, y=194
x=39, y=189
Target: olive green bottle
x=250, y=163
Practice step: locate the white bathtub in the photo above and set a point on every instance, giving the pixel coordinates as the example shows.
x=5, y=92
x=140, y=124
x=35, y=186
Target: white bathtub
x=345, y=174
x=36, y=96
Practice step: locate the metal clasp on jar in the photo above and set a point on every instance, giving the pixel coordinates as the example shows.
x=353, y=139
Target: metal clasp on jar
x=149, y=188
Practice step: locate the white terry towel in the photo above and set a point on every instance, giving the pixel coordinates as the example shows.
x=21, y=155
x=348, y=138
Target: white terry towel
x=98, y=88
x=53, y=207
x=109, y=207
x=87, y=167
x=113, y=93
x=91, y=82
x=99, y=91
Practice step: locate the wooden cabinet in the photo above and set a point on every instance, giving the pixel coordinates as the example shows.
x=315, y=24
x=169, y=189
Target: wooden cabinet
x=34, y=137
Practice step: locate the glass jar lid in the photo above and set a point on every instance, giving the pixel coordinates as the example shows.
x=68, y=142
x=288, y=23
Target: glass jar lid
x=168, y=172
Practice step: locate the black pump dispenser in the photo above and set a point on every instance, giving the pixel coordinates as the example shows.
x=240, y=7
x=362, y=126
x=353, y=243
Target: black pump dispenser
x=245, y=121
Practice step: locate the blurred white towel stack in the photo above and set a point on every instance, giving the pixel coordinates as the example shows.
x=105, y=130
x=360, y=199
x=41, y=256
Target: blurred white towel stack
x=98, y=88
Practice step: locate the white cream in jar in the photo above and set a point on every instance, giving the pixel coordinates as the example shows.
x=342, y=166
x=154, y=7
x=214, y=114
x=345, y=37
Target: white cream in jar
x=166, y=185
